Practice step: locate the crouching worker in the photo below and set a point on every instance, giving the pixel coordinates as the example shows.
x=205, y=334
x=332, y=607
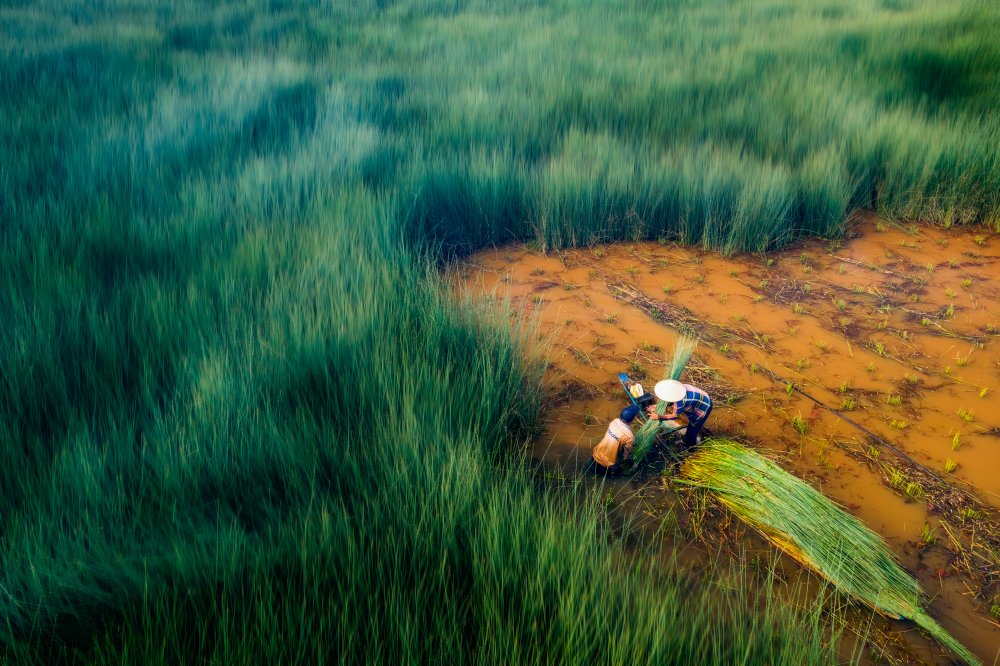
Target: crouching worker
x=690, y=401
x=616, y=447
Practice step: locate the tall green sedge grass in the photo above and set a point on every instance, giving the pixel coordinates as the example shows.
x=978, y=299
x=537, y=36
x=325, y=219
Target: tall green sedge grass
x=684, y=346
x=804, y=523
x=242, y=420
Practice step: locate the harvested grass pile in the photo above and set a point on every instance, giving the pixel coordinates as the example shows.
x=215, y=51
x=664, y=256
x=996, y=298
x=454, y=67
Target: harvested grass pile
x=808, y=526
x=684, y=346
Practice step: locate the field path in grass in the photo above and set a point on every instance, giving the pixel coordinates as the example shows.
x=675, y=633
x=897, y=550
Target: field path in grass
x=894, y=327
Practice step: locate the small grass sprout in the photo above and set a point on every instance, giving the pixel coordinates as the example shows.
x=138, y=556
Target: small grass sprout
x=799, y=424
x=927, y=536
x=967, y=282
x=895, y=400
x=950, y=465
x=896, y=478
x=956, y=441
x=968, y=513
x=798, y=309
x=847, y=404
x=966, y=415
x=823, y=346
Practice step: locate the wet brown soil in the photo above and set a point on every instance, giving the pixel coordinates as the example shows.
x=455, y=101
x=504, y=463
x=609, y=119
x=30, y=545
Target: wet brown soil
x=869, y=366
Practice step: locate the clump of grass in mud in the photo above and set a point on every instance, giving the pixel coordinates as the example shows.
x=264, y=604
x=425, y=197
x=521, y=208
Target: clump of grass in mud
x=800, y=424
x=802, y=522
x=684, y=347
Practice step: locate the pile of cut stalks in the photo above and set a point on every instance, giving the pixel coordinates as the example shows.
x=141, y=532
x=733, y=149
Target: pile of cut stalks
x=810, y=528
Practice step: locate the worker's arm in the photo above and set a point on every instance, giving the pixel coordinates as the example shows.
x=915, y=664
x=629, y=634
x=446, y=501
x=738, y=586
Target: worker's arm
x=671, y=413
x=628, y=443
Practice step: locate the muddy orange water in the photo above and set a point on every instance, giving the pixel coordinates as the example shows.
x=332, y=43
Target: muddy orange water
x=894, y=327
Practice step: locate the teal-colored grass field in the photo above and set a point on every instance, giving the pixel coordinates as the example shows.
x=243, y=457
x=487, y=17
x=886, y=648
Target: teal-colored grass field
x=241, y=418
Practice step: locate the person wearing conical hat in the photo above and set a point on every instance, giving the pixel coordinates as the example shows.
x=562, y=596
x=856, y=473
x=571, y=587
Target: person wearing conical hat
x=690, y=401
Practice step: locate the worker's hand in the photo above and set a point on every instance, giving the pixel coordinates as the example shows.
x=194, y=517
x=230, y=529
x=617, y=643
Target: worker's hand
x=652, y=412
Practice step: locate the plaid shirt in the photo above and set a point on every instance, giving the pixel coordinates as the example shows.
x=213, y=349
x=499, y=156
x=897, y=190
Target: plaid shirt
x=695, y=403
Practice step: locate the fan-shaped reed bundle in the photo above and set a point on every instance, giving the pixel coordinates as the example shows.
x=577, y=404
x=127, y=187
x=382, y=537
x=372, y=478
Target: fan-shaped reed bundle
x=811, y=528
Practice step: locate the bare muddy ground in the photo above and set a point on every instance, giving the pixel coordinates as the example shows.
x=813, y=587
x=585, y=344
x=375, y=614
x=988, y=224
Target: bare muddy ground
x=870, y=367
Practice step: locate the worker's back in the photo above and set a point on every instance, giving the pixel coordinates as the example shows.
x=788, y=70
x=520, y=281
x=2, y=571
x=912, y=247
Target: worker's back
x=608, y=450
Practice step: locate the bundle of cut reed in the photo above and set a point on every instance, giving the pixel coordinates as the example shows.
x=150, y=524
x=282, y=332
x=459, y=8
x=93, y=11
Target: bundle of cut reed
x=808, y=526
x=684, y=346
